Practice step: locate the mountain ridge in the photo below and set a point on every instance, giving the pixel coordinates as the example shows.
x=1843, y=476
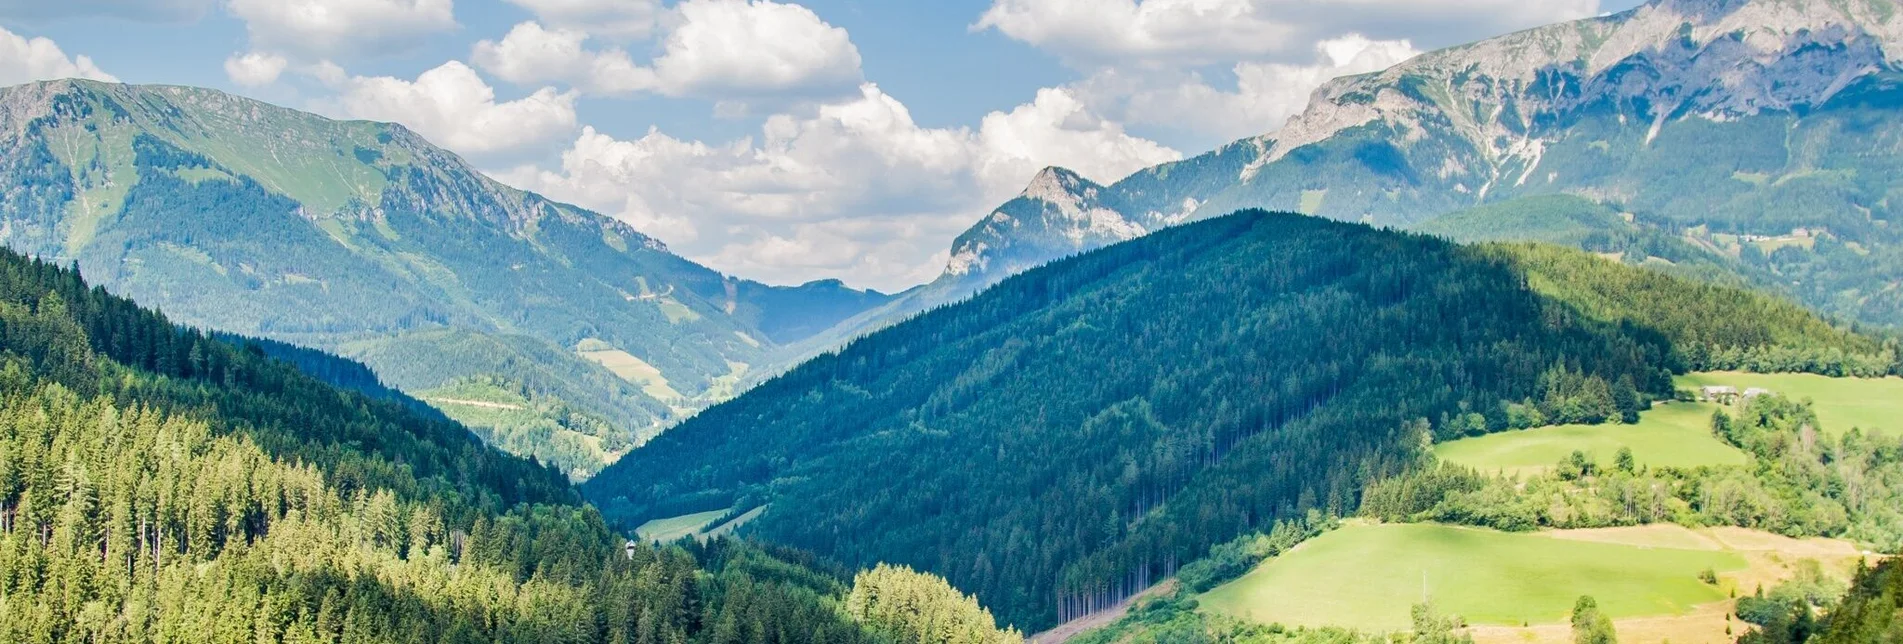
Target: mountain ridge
x=358, y=236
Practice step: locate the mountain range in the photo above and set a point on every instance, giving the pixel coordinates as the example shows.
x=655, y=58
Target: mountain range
x=1764, y=132
x=365, y=239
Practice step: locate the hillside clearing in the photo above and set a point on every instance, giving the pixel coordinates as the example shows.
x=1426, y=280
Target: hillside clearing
x=1669, y=435
x=670, y=529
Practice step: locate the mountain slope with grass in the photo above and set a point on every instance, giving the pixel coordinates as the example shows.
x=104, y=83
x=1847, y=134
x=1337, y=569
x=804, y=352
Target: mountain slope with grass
x=1076, y=432
x=363, y=238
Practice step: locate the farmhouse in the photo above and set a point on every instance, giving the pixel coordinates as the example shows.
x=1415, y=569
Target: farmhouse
x=1721, y=394
x=1754, y=392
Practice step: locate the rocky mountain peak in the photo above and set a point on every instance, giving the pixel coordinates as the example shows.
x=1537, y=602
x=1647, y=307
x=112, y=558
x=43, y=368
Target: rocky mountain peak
x=1663, y=60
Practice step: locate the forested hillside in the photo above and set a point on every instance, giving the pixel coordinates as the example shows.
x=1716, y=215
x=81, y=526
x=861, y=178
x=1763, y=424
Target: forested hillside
x=1710, y=326
x=1075, y=433
x=157, y=484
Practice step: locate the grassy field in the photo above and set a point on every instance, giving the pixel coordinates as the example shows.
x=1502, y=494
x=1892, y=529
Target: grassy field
x=1367, y=576
x=1669, y=435
x=730, y=526
x=1679, y=434
x=666, y=530
x=1841, y=403
x=630, y=368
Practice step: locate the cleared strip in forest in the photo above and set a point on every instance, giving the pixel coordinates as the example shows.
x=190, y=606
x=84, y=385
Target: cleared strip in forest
x=1067, y=630
x=475, y=403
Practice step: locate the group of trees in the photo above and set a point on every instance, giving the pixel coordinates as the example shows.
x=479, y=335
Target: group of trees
x=1591, y=626
x=1789, y=613
x=1816, y=608
x=157, y=484
x=1871, y=612
x=910, y=606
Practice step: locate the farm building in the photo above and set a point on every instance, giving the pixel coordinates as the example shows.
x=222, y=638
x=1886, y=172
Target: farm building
x=1721, y=394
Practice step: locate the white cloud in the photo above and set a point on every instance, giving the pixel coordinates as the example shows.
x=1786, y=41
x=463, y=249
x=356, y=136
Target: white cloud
x=1196, y=32
x=855, y=187
x=730, y=48
x=1265, y=94
x=255, y=69
x=629, y=19
x=1057, y=129
x=531, y=55
x=328, y=28
x=735, y=52
x=139, y=10
x=452, y=107
x=25, y=59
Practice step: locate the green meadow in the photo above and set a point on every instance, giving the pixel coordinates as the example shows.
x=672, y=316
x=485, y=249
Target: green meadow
x=1669, y=435
x=668, y=530
x=1679, y=434
x=1367, y=576
x=1841, y=403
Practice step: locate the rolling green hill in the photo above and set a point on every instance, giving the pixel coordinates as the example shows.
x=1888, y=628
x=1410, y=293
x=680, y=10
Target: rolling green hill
x=363, y=238
x=1074, y=433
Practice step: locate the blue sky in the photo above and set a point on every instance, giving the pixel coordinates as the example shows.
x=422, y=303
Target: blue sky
x=777, y=141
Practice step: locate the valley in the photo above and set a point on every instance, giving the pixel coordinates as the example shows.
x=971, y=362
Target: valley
x=1591, y=332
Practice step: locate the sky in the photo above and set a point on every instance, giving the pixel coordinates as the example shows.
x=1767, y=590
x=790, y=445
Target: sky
x=777, y=141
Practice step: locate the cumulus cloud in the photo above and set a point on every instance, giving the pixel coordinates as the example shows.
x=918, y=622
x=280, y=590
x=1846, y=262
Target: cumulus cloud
x=139, y=10
x=331, y=28
x=531, y=55
x=453, y=107
x=1057, y=129
x=1193, y=32
x=25, y=59
x=856, y=187
x=750, y=47
x=735, y=52
x=1264, y=97
x=629, y=19
x=255, y=69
